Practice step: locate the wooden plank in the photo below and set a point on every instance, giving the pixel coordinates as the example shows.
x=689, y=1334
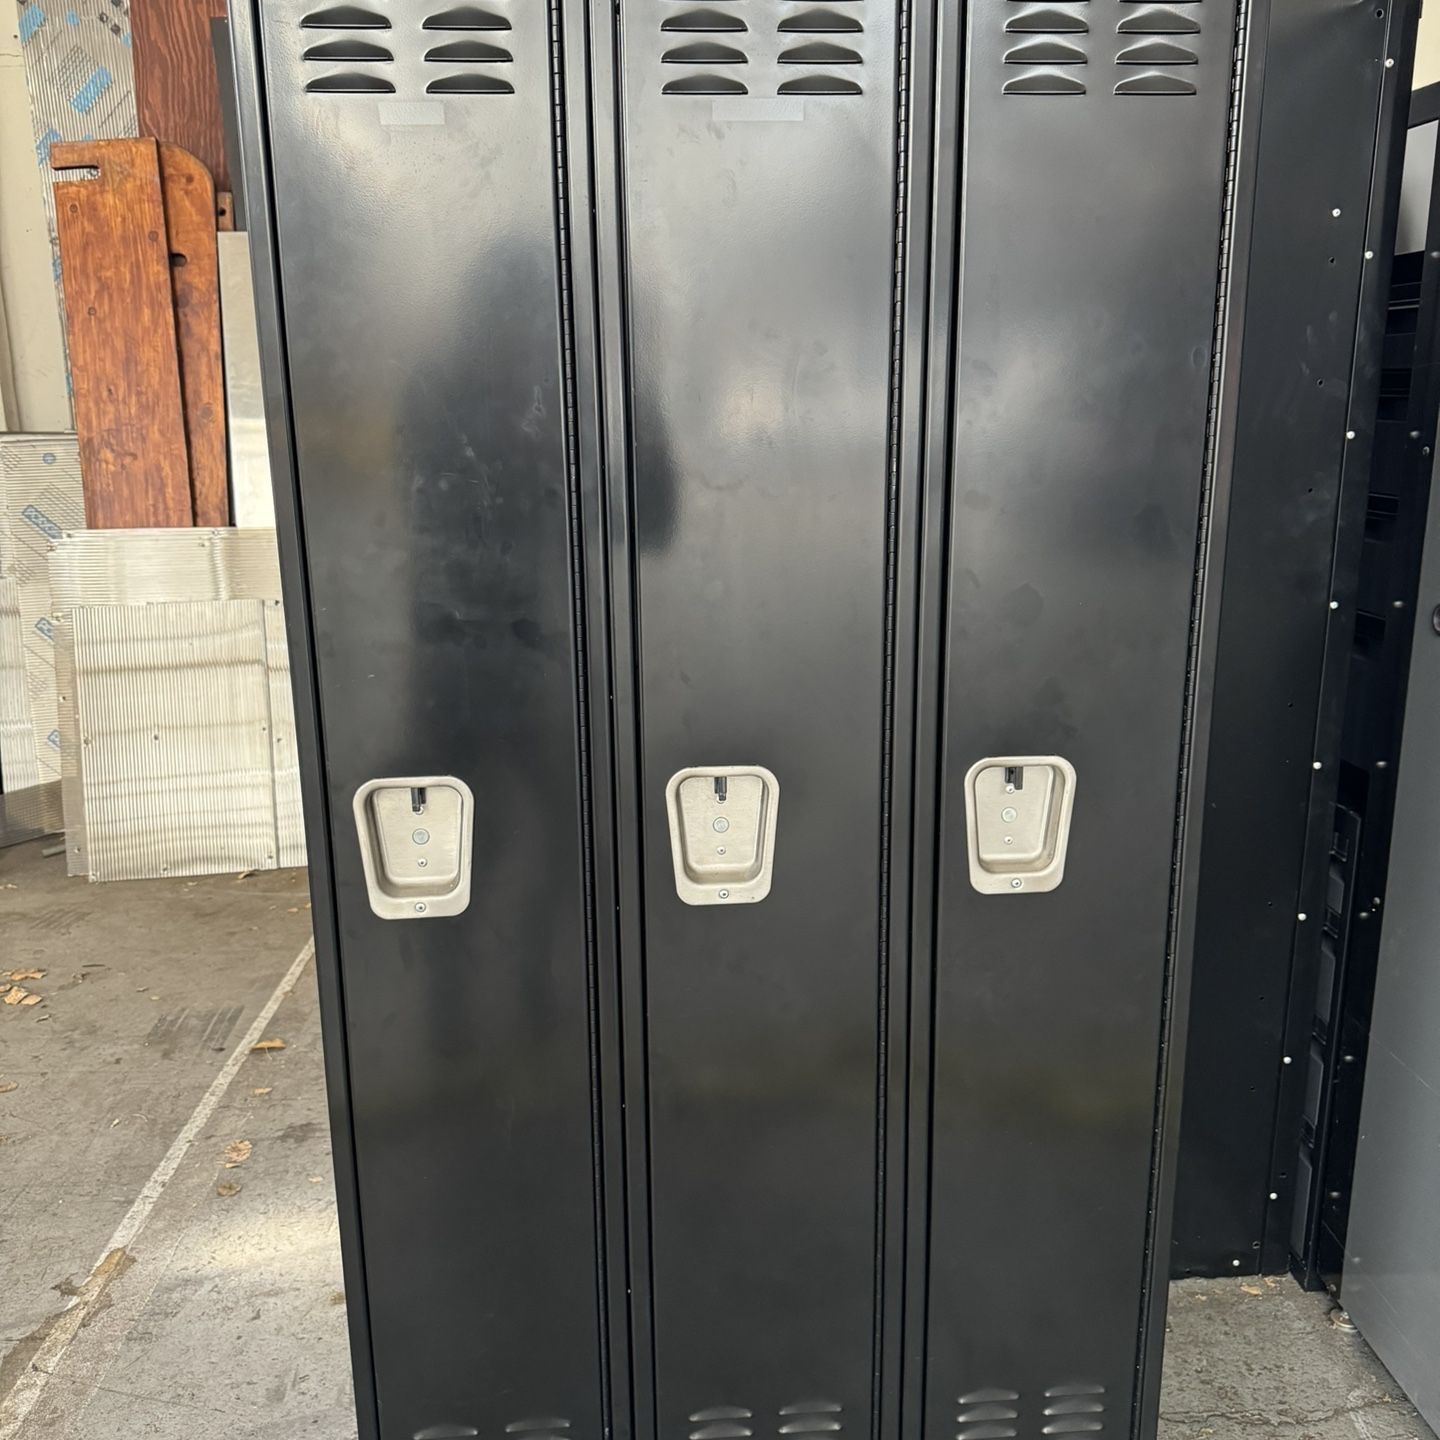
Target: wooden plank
x=189, y=196
x=120, y=319
x=177, y=93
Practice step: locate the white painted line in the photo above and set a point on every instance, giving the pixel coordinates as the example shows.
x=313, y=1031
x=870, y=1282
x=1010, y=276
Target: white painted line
x=28, y=1389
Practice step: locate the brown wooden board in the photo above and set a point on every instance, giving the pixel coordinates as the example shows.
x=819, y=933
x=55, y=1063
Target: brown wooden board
x=189, y=195
x=120, y=321
x=177, y=95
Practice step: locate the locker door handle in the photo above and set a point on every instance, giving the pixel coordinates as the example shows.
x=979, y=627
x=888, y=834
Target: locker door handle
x=722, y=832
x=1017, y=821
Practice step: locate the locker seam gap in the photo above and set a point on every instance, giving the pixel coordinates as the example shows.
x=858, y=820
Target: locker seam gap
x=887, y=775
x=1192, y=666
x=583, y=755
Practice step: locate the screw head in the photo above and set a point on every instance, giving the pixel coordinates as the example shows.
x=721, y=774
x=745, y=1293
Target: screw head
x=1435, y=619
x=724, y=894
x=420, y=907
x=422, y=862
x=720, y=824
x=1349, y=434
x=1317, y=766
x=1016, y=883
x=1302, y=916
x=1336, y=212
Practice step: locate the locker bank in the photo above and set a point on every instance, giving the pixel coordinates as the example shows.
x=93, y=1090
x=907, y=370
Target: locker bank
x=753, y=480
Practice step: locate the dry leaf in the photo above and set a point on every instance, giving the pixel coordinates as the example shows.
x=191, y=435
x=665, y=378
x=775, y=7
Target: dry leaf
x=16, y=995
x=32, y=1000
x=27, y=974
x=237, y=1152
x=8, y=1086
x=269, y=1045
x=293, y=910
x=226, y=1188
x=317, y=1179
x=244, y=875
x=263, y=1090
x=1252, y=1289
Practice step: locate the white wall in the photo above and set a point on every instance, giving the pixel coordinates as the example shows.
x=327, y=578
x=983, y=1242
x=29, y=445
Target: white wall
x=1427, y=51
x=33, y=392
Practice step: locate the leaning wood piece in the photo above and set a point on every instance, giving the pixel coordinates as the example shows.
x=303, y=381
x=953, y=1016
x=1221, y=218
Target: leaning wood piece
x=195, y=275
x=120, y=320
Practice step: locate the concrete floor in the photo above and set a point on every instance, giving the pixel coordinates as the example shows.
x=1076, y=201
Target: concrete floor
x=219, y=1314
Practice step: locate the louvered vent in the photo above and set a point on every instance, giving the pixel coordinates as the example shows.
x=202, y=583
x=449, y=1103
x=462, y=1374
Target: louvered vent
x=468, y=60
x=692, y=38
x=1044, y=54
x=1155, y=47
x=721, y=1422
x=819, y=47
x=351, y=40
x=818, y=1418
x=465, y=43
x=989, y=1414
x=1074, y=1410
x=1065, y=1410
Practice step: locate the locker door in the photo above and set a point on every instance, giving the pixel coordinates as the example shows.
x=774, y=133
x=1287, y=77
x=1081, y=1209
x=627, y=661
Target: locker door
x=412, y=145
x=1093, y=191
x=759, y=190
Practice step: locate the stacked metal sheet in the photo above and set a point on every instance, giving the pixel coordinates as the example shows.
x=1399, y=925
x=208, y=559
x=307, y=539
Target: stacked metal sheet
x=177, y=728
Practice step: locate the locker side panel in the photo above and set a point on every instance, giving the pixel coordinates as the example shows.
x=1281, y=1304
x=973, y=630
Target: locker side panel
x=1093, y=193
x=416, y=217
x=760, y=198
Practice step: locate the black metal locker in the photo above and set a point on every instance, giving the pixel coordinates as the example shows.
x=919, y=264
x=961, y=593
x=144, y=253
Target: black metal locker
x=815, y=400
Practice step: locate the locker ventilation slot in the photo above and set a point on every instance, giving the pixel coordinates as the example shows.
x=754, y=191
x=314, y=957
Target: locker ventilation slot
x=1074, y=1410
x=705, y=85
x=1046, y=52
x=721, y=1422
x=354, y=50
x=466, y=17
x=820, y=52
x=1052, y=41
x=1155, y=83
x=477, y=52
x=704, y=52
x=705, y=22
x=1159, y=22
x=820, y=22
x=819, y=85
x=344, y=17
x=1046, y=22
x=811, y=1417
x=471, y=84
x=1157, y=52
x=350, y=84
x=989, y=1414
x=1044, y=83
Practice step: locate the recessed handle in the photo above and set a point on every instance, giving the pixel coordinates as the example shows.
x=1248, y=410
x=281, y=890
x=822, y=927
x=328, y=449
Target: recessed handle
x=1017, y=819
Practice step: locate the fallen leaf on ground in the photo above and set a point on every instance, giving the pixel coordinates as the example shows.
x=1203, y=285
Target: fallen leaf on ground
x=237, y=1152
x=1252, y=1289
x=263, y=1090
x=268, y=1045
x=317, y=1179
x=293, y=910
x=32, y=999
x=8, y=1086
x=244, y=875
x=227, y=1188
x=16, y=995
x=27, y=974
